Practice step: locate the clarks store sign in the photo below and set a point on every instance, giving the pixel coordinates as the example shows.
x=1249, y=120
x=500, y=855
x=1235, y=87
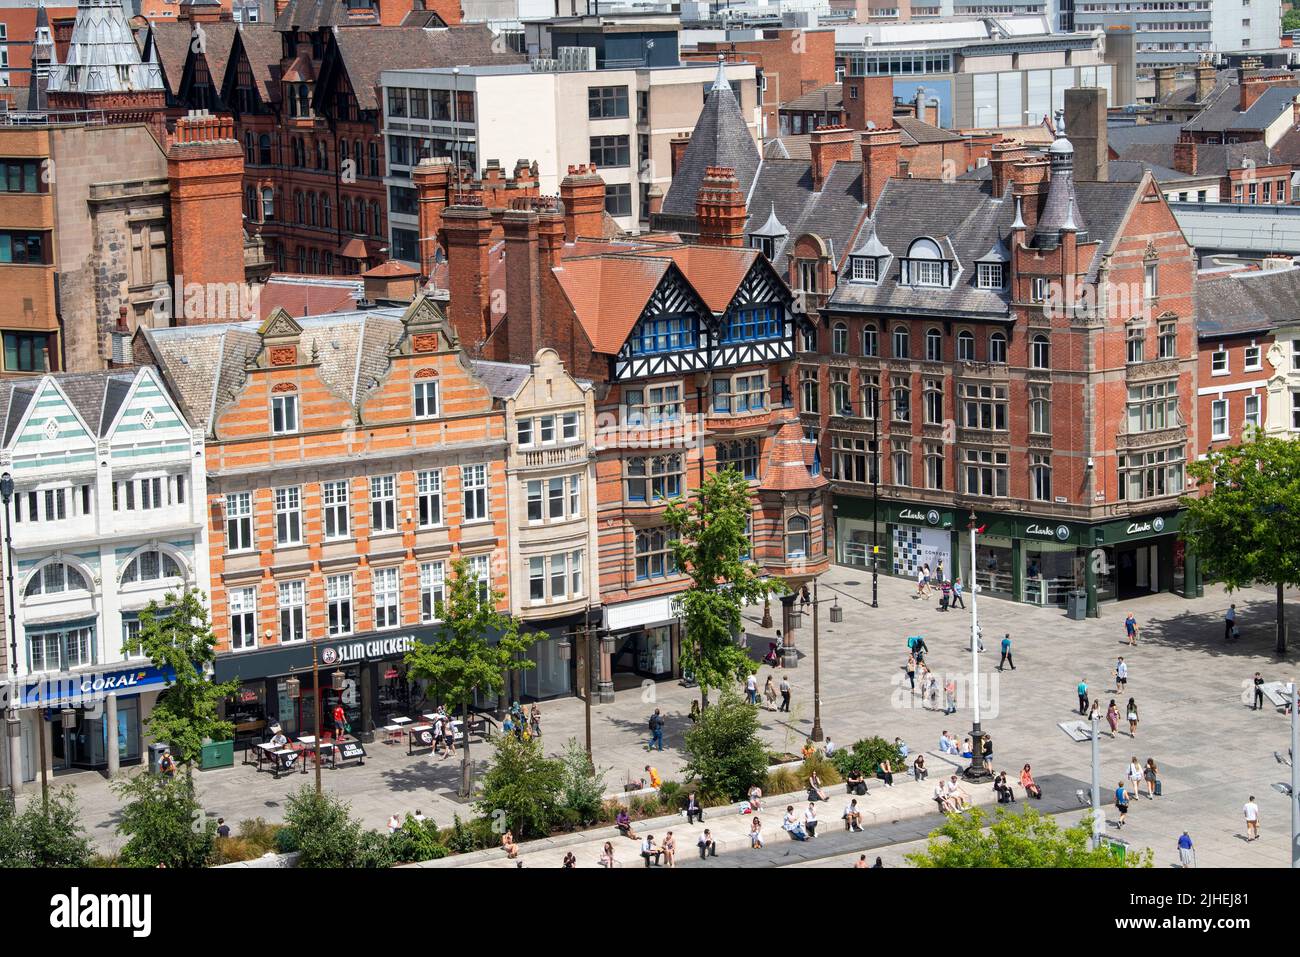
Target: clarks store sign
x=1156, y=525
x=372, y=650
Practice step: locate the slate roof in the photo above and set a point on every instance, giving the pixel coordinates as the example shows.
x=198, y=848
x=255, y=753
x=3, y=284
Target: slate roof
x=96, y=396
x=1121, y=136
x=966, y=220
x=501, y=378
x=262, y=47
x=918, y=131
x=1245, y=302
x=828, y=97
x=720, y=138
x=1212, y=159
x=1222, y=112
x=311, y=15
x=171, y=41
x=834, y=212
x=1131, y=171
x=368, y=51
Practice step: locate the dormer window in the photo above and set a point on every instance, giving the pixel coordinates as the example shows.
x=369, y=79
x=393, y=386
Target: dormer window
x=989, y=275
x=764, y=245
x=924, y=265
x=863, y=269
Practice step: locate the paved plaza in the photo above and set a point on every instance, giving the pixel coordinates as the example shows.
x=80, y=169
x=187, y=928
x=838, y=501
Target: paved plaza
x=1213, y=751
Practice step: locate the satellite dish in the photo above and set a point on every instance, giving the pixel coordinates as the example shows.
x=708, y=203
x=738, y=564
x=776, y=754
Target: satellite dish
x=871, y=124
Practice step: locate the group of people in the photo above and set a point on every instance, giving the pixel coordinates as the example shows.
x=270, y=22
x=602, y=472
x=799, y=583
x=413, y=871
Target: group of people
x=950, y=591
x=770, y=692
x=523, y=725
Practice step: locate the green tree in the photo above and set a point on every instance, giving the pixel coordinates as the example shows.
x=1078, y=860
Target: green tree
x=176, y=637
x=724, y=752
x=709, y=544
x=34, y=838
x=522, y=788
x=1027, y=839
x=463, y=660
x=1244, y=528
x=163, y=823
x=1291, y=21
x=583, y=790
x=321, y=828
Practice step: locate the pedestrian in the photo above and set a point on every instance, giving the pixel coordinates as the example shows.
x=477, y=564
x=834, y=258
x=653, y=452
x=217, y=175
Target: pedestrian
x=769, y=694
x=911, y=671
x=945, y=595
x=805, y=599
x=1131, y=629
x=394, y=824
x=879, y=865
x=919, y=649
x=1006, y=653
x=656, y=731
x=829, y=748
x=1134, y=776
x=862, y=863
x=1230, y=623
x=535, y=720
x=1186, y=851
x=1112, y=717
x=1121, y=803
x=1251, y=810
x=1132, y=712
x=923, y=582
x=1259, y=692
x=340, y=722
x=950, y=696
x=223, y=829
x=670, y=850
x=1095, y=710
x=693, y=809
x=938, y=570
x=785, y=694
x=1151, y=775
x=1083, y=696
x=986, y=752
x=1121, y=675
x=810, y=821
x=751, y=689
x=707, y=845
x=956, y=594
x=650, y=850
x=695, y=712
x=418, y=816
x=932, y=690
x=652, y=776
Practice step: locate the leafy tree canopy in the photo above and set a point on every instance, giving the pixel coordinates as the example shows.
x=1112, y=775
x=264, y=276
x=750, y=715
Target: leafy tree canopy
x=1025, y=839
x=724, y=752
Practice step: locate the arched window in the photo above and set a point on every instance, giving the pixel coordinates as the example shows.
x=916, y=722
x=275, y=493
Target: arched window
x=965, y=347
x=151, y=566
x=311, y=208
x=375, y=227
x=55, y=578
x=361, y=217
x=325, y=210
x=249, y=154
x=796, y=537
x=997, y=348
x=304, y=100
x=925, y=265
x=840, y=339
x=264, y=150
x=345, y=214
x=356, y=157
x=870, y=340
x=374, y=158
x=268, y=204
x=250, y=202
x=902, y=342
x=298, y=206
x=933, y=345
x=1040, y=354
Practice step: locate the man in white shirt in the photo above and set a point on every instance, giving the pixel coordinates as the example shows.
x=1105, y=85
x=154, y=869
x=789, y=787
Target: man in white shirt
x=957, y=794
x=852, y=816
x=751, y=689
x=1230, y=622
x=810, y=821
x=649, y=850
x=1251, y=810
x=830, y=746
x=942, y=799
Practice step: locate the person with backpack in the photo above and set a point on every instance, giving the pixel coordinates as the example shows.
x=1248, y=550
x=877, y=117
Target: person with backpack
x=656, y=731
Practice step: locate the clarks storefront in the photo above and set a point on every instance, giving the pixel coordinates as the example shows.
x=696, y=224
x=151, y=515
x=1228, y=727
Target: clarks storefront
x=1035, y=560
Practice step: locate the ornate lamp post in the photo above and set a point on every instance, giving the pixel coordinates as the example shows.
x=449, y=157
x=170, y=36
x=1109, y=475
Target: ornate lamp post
x=976, y=772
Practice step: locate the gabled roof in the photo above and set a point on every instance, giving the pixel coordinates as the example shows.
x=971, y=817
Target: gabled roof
x=608, y=294
x=789, y=461
x=310, y=15
x=262, y=48
x=94, y=396
x=720, y=138
x=714, y=272
x=1222, y=111
x=1212, y=159
x=918, y=131
x=1245, y=302
x=308, y=295
x=833, y=213
x=828, y=97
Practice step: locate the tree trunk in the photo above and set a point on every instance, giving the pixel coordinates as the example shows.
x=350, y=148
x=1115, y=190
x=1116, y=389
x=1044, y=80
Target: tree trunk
x=1281, y=622
x=466, y=785
x=704, y=697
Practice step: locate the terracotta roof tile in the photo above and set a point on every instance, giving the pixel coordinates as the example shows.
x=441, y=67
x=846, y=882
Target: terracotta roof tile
x=304, y=297
x=608, y=294
x=789, y=461
x=715, y=272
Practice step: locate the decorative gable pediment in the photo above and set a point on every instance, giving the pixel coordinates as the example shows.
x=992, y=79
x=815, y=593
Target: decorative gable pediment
x=426, y=328
x=280, y=334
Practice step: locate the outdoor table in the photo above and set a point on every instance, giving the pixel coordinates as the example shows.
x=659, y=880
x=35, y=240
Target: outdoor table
x=265, y=752
x=284, y=760
x=392, y=732
x=423, y=732
x=400, y=721
x=330, y=748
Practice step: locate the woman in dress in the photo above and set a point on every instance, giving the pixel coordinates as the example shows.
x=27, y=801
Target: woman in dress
x=1027, y=782
x=756, y=834
x=1112, y=717
x=607, y=855
x=769, y=694
x=670, y=849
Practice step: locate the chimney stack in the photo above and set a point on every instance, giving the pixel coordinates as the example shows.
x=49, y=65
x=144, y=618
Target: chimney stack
x=467, y=234
x=720, y=208
x=1085, y=118
x=523, y=284
x=1185, y=155
x=583, y=195
x=1205, y=77
x=1165, y=76
x=880, y=150
x=1029, y=179
x=1005, y=155
x=432, y=180
x=829, y=145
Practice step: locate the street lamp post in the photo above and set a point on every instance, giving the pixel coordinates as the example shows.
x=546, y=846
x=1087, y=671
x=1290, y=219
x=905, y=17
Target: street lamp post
x=817, y=670
x=875, y=491
x=1293, y=696
x=976, y=771
x=1096, y=780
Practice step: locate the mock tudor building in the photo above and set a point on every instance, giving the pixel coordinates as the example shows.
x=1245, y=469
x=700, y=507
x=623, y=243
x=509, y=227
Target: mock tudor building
x=353, y=457
x=1017, y=350
x=107, y=514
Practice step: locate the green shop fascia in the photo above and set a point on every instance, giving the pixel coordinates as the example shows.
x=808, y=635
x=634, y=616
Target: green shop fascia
x=1022, y=557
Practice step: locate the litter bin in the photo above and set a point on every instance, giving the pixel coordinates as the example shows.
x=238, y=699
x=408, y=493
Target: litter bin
x=1076, y=604
x=217, y=754
x=155, y=757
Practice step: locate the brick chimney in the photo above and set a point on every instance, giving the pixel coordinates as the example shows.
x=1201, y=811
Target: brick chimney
x=829, y=145
x=550, y=237
x=583, y=195
x=869, y=99
x=720, y=208
x=1085, y=118
x=1030, y=185
x=1005, y=155
x=1252, y=88
x=523, y=284
x=205, y=172
x=432, y=179
x=1185, y=155
x=1205, y=76
x=467, y=234
x=1165, y=77
x=879, y=162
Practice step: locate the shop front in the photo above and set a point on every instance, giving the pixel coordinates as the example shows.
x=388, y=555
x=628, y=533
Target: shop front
x=908, y=536
x=645, y=636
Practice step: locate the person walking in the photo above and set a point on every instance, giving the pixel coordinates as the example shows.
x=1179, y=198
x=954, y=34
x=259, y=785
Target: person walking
x=950, y=696
x=769, y=694
x=923, y=581
x=656, y=731
x=911, y=672
x=785, y=694
x=1251, y=811
x=1112, y=717
x=1083, y=697
x=1131, y=629
x=1135, y=776
x=1006, y=654
x=1186, y=851
x=1121, y=675
x=956, y=594
x=751, y=689
x=1121, y=803
x=340, y=722
x=1132, y=714
x=1230, y=623
x=1151, y=775
x=945, y=595
x=1259, y=692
